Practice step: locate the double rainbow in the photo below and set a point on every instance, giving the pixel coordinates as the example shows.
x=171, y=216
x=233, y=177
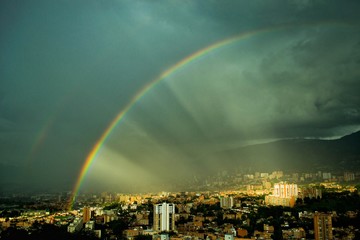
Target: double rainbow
x=173, y=69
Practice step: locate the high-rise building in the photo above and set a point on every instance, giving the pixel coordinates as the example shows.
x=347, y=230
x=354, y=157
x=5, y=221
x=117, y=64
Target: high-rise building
x=226, y=202
x=322, y=226
x=284, y=194
x=349, y=176
x=164, y=217
x=326, y=175
x=310, y=192
x=285, y=190
x=86, y=214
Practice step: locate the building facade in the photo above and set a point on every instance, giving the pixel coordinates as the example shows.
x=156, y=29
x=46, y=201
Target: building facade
x=284, y=194
x=323, y=226
x=164, y=217
x=86, y=214
x=226, y=202
x=285, y=190
x=75, y=226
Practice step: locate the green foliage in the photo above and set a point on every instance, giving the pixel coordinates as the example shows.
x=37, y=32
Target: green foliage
x=206, y=209
x=170, y=233
x=343, y=221
x=181, y=220
x=45, y=232
x=331, y=201
x=118, y=226
x=145, y=207
x=123, y=223
x=219, y=218
x=10, y=213
x=143, y=237
x=14, y=234
x=234, y=222
x=113, y=206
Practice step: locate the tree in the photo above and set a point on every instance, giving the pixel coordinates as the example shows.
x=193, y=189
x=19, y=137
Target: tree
x=14, y=234
x=143, y=237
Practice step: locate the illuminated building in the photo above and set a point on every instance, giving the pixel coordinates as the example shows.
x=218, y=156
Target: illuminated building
x=90, y=225
x=310, y=192
x=75, y=226
x=322, y=226
x=226, y=202
x=349, y=176
x=326, y=175
x=229, y=236
x=285, y=190
x=164, y=217
x=86, y=214
x=284, y=194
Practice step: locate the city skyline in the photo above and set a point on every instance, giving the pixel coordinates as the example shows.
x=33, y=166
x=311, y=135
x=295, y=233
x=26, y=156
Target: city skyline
x=116, y=94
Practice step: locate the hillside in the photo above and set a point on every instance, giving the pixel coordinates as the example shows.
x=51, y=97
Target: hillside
x=297, y=154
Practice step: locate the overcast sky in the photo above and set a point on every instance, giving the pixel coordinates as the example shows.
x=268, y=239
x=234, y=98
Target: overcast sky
x=67, y=68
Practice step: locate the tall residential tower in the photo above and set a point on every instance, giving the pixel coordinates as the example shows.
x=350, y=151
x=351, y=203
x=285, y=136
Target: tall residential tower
x=284, y=194
x=164, y=217
x=322, y=226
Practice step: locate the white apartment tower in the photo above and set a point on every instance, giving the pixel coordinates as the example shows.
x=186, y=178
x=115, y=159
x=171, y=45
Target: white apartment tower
x=284, y=194
x=164, y=217
x=285, y=190
x=226, y=202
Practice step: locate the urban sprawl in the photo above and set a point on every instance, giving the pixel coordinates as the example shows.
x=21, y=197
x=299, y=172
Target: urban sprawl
x=258, y=205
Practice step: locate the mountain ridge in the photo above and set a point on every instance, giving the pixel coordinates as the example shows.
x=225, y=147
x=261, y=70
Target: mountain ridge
x=297, y=154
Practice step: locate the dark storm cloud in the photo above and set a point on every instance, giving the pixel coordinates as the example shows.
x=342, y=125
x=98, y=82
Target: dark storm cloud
x=326, y=85
x=67, y=68
x=303, y=86
x=76, y=64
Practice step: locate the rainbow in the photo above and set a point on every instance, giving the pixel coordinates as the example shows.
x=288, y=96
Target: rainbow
x=43, y=134
x=40, y=139
x=170, y=71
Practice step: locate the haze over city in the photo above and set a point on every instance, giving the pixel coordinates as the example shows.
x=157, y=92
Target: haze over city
x=184, y=80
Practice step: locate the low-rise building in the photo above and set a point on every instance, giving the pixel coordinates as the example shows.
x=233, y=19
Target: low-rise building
x=76, y=225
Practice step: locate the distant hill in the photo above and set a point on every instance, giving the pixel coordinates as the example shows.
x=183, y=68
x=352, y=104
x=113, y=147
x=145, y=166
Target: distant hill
x=297, y=155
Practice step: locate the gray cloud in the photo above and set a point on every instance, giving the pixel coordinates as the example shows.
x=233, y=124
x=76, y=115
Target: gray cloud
x=288, y=89
x=68, y=68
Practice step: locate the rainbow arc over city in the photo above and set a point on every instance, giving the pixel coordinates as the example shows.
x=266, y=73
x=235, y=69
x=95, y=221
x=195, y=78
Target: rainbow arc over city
x=170, y=71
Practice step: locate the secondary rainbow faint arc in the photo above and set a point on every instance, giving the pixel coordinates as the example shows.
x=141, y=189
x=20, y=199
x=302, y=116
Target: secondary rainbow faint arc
x=202, y=52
